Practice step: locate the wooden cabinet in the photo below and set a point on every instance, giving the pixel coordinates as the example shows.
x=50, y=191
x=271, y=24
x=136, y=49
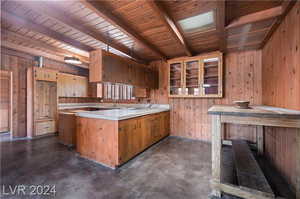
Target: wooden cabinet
x=44, y=127
x=199, y=76
x=67, y=128
x=41, y=101
x=43, y=74
x=176, y=78
x=115, y=142
x=137, y=134
x=95, y=90
x=129, y=142
x=72, y=85
x=107, y=67
x=6, y=105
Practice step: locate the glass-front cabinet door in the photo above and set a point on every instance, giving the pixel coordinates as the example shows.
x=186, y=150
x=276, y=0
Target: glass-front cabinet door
x=198, y=76
x=192, y=77
x=212, y=77
x=175, y=78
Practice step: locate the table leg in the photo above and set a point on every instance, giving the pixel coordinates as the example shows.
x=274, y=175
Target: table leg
x=298, y=165
x=216, y=153
x=260, y=139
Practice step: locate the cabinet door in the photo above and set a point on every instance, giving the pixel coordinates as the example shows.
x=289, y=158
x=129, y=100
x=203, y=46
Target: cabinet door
x=128, y=140
x=155, y=128
x=45, y=74
x=192, y=77
x=212, y=77
x=81, y=86
x=72, y=85
x=164, y=124
x=45, y=100
x=65, y=85
x=175, y=78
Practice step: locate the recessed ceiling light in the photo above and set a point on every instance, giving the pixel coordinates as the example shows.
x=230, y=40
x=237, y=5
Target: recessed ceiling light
x=199, y=22
x=72, y=60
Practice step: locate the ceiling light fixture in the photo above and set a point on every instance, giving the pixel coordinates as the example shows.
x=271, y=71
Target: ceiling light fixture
x=72, y=60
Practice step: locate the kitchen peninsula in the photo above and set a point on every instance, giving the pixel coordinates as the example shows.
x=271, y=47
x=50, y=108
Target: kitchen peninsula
x=112, y=137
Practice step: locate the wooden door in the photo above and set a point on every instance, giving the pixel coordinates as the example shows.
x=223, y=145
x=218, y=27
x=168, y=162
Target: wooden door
x=5, y=101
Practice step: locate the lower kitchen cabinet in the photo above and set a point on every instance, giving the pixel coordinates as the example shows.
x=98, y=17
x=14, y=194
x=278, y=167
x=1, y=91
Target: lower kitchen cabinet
x=113, y=143
x=135, y=135
x=67, y=128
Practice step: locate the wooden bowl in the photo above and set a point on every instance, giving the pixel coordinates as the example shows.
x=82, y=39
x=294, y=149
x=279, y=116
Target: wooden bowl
x=242, y=104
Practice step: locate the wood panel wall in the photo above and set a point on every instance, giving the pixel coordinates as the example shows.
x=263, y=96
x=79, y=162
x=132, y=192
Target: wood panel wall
x=18, y=63
x=189, y=118
x=281, y=87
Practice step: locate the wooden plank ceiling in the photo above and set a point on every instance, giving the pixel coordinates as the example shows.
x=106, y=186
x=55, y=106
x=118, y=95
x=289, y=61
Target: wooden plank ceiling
x=144, y=30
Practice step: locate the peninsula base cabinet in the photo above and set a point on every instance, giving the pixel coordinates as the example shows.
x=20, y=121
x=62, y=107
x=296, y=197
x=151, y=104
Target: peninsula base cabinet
x=113, y=143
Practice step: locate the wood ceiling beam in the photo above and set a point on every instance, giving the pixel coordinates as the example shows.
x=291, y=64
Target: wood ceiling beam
x=56, y=14
x=221, y=12
x=101, y=11
x=286, y=7
x=32, y=51
x=43, y=30
x=37, y=43
x=257, y=16
x=170, y=24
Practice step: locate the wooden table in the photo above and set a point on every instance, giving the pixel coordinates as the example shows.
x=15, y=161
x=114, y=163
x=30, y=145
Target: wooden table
x=257, y=115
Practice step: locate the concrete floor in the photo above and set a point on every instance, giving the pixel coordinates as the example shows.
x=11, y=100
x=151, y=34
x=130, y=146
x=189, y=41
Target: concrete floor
x=4, y=137
x=174, y=168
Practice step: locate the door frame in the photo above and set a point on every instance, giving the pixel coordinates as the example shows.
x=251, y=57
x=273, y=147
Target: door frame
x=10, y=74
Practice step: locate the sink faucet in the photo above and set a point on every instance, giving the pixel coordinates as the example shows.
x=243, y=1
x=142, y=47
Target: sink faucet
x=149, y=104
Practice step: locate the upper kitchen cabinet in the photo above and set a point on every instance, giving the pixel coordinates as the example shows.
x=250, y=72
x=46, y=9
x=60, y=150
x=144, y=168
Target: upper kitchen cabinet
x=199, y=76
x=107, y=67
x=176, y=78
x=211, y=75
x=72, y=85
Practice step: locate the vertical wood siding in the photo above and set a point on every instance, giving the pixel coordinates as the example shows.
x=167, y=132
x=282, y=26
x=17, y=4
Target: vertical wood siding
x=281, y=87
x=18, y=63
x=189, y=118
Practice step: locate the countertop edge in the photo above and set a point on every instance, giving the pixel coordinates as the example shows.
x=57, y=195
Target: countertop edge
x=93, y=116
x=262, y=115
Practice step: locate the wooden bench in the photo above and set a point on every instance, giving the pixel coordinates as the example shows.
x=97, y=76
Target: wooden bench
x=249, y=174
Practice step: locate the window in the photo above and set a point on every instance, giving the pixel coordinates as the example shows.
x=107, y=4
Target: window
x=115, y=91
x=199, y=22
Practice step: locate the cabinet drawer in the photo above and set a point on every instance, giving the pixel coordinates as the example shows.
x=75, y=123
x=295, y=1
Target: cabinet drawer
x=42, y=128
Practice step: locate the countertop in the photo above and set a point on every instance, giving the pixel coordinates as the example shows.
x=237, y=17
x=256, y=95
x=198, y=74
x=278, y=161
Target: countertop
x=120, y=114
x=117, y=112
x=254, y=111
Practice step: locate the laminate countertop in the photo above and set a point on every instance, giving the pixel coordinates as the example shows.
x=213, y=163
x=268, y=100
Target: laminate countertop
x=122, y=113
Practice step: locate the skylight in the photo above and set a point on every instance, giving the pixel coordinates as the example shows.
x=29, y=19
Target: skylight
x=199, y=22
